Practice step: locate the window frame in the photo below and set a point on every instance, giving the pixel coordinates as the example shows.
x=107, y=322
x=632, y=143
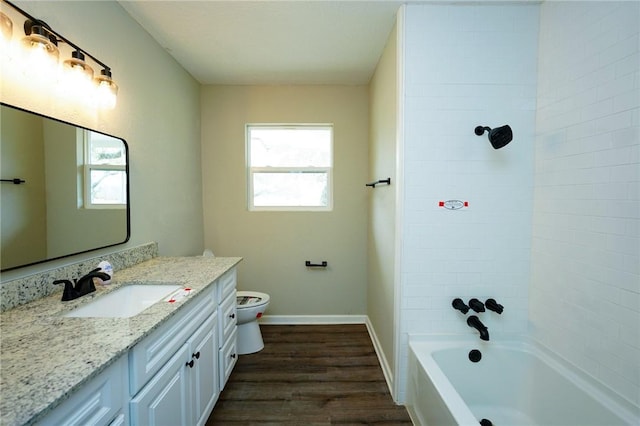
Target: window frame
x=250, y=171
x=88, y=167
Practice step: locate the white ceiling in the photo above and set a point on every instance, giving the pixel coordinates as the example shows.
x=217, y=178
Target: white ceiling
x=270, y=41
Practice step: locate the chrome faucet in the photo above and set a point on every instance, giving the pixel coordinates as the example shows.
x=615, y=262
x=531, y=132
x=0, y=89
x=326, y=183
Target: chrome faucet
x=474, y=322
x=83, y=285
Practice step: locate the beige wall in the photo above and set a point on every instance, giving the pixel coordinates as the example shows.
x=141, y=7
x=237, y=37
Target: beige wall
x=23, y=209
x=275, y=245
x=64, y=215
x=382, y=199
x=158, y=114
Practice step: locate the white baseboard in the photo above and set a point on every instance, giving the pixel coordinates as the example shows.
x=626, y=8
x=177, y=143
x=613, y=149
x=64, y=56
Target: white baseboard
x=386, y=370
x=312, y=319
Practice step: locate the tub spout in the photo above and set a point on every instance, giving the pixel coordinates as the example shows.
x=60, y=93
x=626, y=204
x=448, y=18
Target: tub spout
x=474, y=322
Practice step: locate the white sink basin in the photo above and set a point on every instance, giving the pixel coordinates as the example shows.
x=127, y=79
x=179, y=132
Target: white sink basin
x=125, y=302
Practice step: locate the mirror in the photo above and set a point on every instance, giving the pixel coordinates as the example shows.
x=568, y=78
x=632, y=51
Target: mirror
x=64, y=189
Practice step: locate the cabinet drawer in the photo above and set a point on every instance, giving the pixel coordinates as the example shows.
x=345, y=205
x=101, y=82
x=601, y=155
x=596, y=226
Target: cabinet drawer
x=227, y=284
x=228, y=358
x=148, y=356
x=228, y=317
x=97, y=403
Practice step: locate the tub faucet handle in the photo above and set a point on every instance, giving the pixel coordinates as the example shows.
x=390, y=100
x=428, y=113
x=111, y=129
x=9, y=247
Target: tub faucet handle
x=458, y=304
x=494, y=306
x=476, y=305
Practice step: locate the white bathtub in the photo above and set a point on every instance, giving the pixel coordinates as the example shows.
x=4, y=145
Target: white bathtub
x=515, y=383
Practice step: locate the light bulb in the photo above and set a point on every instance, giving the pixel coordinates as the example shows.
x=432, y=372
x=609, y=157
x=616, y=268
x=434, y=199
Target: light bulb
x=106, y=91
x=76, y=78
x=78, y=68
x=40, y=56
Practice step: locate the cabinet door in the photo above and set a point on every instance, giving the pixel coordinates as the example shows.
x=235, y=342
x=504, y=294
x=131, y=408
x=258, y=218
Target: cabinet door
x=164, y=400
x=204, y=373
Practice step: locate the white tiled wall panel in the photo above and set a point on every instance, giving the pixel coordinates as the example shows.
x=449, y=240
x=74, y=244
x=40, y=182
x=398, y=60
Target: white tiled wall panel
x=585, y=282
x=464, y=66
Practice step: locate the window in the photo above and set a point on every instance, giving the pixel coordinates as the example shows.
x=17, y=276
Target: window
x=105, y=176
x=290, y=167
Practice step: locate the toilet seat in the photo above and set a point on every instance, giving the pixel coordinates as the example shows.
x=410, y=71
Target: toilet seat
x=250, y=299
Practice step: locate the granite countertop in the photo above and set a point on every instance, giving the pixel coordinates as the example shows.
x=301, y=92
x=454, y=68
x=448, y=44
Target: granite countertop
x=45, y=357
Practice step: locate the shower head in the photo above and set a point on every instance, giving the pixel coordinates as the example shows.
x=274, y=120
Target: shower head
x=499, y=137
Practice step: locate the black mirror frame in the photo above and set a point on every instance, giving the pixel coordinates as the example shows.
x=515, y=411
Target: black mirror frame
x=128, y=212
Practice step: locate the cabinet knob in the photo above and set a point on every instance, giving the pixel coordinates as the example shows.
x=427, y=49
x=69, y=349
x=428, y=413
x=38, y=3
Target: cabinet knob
x=190, y=364
x=196, y=355
x=233, y=355
x=232, y=316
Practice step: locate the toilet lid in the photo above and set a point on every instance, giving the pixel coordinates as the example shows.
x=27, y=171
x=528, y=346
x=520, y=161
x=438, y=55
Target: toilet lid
x=245, y=299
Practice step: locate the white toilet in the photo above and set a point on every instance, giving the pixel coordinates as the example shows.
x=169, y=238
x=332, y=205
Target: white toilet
x=250, y=305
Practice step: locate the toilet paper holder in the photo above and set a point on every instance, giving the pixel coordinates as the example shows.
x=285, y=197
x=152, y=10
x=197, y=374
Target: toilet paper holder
x=308, y=264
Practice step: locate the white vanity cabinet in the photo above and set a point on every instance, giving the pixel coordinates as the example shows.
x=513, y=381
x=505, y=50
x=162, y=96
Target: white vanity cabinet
x=103, y=401
x=172, y=377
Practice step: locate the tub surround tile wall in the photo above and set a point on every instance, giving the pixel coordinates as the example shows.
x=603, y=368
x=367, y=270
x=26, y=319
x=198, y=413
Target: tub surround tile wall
x=464, y=66
x=585, y=290
x=27, y=289
x=584, y=296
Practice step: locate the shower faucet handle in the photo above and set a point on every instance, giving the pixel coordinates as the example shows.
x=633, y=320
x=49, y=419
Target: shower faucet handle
x=458, y=304
x=494, y=306
x=476, y=305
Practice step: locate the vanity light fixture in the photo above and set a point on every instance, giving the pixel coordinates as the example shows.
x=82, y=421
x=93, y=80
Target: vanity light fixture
x=78, y=66
x=107, y=89
x=76, y=78
x=41, y=52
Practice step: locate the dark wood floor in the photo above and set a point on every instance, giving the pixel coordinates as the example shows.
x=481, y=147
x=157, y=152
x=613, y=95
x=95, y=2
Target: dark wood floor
x=309, y=375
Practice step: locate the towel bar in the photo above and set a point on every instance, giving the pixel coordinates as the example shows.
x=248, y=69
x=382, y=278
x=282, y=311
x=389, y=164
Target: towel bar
x=16, y=181
x=373, y=184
